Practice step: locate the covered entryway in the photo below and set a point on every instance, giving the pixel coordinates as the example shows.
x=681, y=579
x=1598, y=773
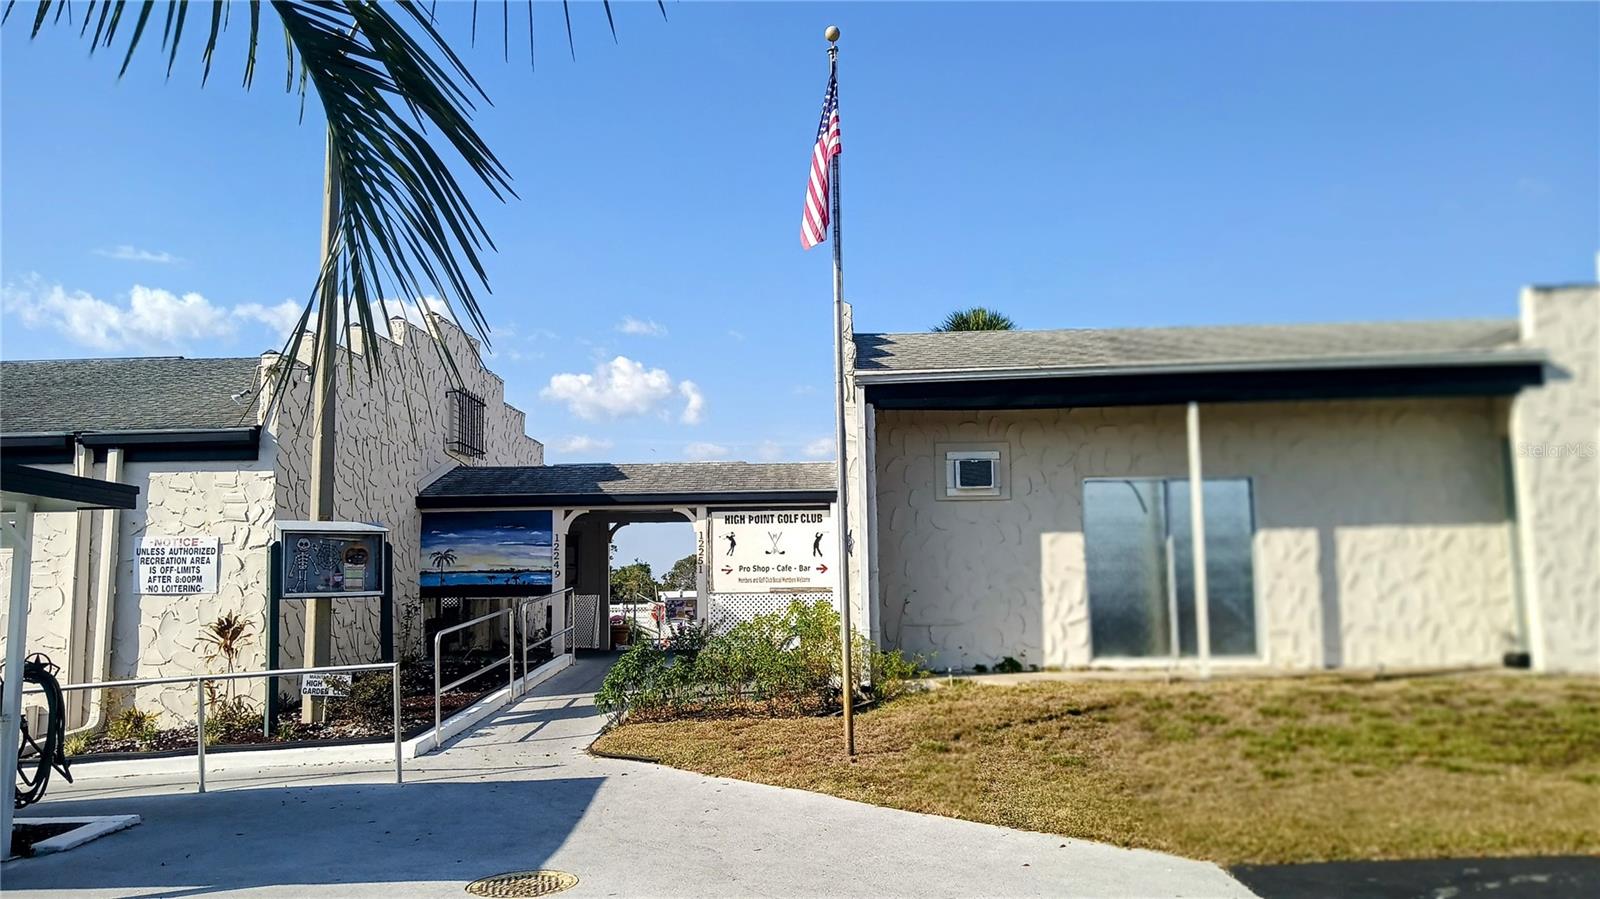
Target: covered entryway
x=763, y=534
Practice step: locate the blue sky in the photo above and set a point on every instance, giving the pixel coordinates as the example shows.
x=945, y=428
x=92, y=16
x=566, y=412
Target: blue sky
x=1074, y=165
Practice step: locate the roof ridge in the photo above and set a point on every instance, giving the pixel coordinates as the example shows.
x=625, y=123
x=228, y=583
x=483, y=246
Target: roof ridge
x=1406, y=322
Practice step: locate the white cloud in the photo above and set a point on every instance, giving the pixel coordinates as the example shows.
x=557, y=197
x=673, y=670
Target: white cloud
x=280, y=318
x=641, y=327
x=804, y=389
x=129, y=253
x=579, y=443
x=701, y=452
x=694, y=403
x=620, y=388
x=736, y=335
x=820, y=448
x=151, y=320
x=769, y=451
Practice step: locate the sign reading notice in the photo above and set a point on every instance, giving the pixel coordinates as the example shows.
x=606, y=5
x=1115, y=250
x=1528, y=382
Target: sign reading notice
x=767, y=552
x=336, y=686
x=178, y=566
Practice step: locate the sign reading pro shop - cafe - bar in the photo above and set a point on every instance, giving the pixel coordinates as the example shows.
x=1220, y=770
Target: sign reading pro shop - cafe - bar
x=766, y=552
x=177, y=566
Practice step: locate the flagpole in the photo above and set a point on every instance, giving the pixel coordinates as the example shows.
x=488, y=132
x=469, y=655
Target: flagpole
x=842, y=526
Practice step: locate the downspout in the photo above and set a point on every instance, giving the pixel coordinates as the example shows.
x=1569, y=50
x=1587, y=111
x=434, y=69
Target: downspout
x=106, y=598
x=78, y=660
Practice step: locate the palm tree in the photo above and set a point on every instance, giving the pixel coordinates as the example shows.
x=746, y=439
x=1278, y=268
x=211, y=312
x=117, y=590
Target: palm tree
x=976, y=318
x=441, y=558
x=395, y=95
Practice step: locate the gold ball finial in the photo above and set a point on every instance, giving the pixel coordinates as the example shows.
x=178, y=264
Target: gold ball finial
x=832, y=34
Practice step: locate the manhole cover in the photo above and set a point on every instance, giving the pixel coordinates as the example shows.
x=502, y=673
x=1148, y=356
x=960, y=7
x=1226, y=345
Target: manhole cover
x=518, y=884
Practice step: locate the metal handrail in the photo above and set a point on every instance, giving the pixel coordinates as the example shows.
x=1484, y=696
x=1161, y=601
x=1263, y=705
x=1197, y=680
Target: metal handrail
x=522, y=623
x=438, y=642
x=200, y=680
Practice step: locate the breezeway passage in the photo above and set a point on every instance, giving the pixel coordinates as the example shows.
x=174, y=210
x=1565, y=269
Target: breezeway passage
x=521, y=792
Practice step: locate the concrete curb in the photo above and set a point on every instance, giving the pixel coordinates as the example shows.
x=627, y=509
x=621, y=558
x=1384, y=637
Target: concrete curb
x=92, y=827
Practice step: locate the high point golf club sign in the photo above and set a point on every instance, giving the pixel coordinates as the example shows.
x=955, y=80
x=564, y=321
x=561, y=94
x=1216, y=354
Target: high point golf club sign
x=772, y=552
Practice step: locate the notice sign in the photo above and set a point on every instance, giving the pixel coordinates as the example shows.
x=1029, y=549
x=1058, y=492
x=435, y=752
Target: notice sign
x=766, y=552
x=178, y=566
x=336, y=686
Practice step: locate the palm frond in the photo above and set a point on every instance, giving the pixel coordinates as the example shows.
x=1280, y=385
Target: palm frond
x=386, y=80
x=976, y=318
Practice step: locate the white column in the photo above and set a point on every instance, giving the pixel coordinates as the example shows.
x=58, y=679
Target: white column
x=869, y=565
x=702, y=565
x=17, y=531
x=1197, y=536
x=558, y=576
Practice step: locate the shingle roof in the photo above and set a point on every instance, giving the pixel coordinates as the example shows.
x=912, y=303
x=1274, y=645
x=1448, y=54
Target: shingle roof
x=973, y=351
x=606, y=482
x=151, y=393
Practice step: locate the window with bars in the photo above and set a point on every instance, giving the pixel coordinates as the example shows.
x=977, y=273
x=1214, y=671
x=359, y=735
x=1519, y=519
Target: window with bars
x=466, y=423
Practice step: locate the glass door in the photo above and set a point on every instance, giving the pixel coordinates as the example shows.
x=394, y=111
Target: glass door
x=1140, y=562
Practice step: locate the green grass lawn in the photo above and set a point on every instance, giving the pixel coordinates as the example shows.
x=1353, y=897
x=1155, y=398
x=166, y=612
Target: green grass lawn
x=1266, y=770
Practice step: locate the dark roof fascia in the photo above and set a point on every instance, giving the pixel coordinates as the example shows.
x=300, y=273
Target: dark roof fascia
x=568, y=500
x=966, y=393
x=88, y=492
x=209, y=444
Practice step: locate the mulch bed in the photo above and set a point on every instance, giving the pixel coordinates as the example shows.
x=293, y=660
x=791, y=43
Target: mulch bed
x=416, y=717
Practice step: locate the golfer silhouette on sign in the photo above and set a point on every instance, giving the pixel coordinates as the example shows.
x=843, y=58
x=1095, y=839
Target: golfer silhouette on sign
x=816, y=545
x=731, y=543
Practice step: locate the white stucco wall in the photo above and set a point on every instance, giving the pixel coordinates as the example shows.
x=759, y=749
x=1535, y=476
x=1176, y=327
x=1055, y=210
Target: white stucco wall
x=1556, y=451
x=383, y=461
x=391, y=441
x=1383, y=521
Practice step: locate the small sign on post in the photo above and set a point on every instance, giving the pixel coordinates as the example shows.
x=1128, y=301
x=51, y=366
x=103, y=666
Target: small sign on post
x=334, y=686
x=177, y=566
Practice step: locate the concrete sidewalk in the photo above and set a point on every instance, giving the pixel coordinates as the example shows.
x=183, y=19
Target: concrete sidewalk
x=521, y=792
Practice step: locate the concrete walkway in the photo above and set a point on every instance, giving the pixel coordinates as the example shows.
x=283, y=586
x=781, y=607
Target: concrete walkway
x=521, y=792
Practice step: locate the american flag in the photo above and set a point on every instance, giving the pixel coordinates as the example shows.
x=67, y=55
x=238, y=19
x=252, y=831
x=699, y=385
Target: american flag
x=814, y=222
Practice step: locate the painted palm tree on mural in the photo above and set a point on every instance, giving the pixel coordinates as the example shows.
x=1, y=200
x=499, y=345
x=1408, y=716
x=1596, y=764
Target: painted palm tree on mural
x=441, y=558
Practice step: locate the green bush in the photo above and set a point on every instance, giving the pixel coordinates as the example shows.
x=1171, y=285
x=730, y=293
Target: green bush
x=781, y=663
x=371, y=700
x=234, y=719
x=1008, y=665
x=133, y=723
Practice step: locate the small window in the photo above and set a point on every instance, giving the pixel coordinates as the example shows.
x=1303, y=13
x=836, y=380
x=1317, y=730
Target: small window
x=972, y=473
x=466, y=424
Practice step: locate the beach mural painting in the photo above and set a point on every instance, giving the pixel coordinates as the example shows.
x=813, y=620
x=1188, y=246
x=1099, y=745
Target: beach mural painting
x=488, y=552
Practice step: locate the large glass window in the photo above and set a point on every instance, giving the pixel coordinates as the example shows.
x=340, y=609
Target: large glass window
x=1140, y=556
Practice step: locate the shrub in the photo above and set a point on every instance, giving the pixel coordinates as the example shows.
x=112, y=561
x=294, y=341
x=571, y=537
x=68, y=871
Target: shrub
x=371, y=700
x=133, y=723
x=1008, y=665
x=781, y=663
x=232, y=720
x=76, y=744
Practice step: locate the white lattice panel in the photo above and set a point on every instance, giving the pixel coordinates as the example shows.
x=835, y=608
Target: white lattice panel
x=728, y=609
x=586, y=621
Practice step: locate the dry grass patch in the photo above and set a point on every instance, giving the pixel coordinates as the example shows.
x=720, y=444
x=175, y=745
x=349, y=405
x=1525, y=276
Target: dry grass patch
x=1271, y=770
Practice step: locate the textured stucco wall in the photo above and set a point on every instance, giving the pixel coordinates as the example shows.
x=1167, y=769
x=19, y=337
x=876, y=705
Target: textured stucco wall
x=1556, y=451
x=1382, y=521
x=391, y=440
x=159, y=636
x=49, y=606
